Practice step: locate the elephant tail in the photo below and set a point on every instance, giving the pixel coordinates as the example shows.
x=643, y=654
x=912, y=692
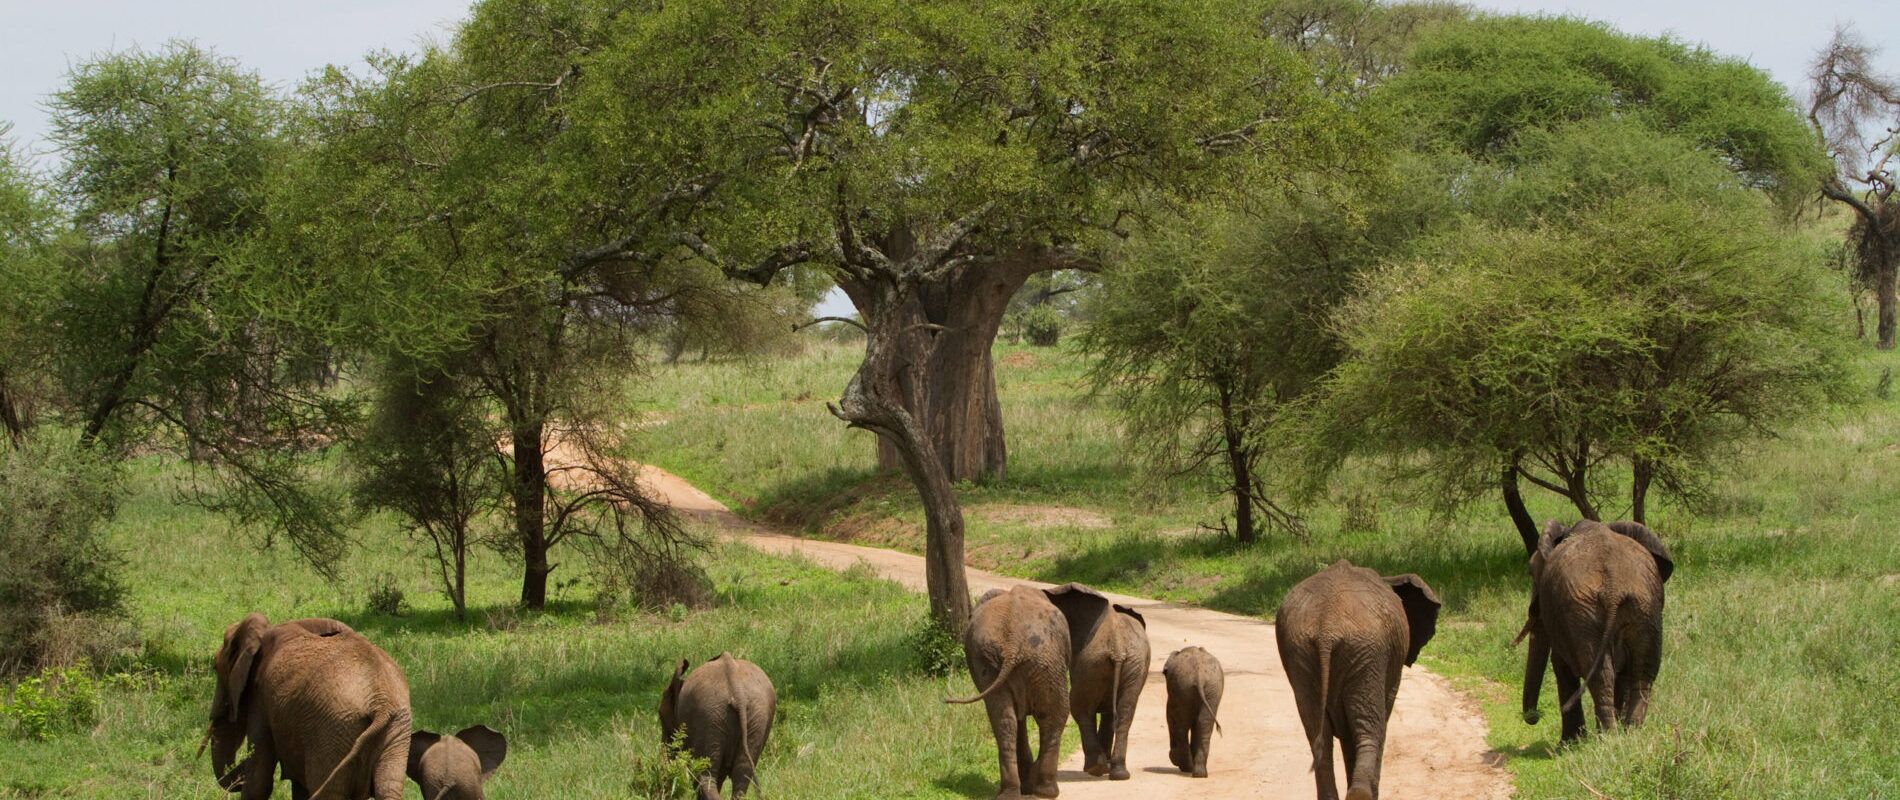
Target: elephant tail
x=1202, y=690
x=1325, y=682
x=746, y=756
x=1595, y=664
x=378, y=728
x=1002, y=677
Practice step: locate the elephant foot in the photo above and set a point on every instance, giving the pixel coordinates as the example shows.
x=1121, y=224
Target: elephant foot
x=1179, y=759
x=1048, y=790
x=1118, y=773
x=1199, y=773
x=1097, y=769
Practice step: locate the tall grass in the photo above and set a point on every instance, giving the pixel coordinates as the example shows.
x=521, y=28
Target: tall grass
x=1783, y=618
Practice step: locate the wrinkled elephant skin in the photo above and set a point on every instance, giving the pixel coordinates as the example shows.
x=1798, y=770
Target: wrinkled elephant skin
x=725, y=709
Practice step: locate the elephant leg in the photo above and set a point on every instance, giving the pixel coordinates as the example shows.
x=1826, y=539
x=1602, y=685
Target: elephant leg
x=1364, y=744
x=1566, y=688
x=1118, y=757
x=1004, y=722
x=1603, y=695
x=260, y=772
x=1025, y=756
x=741, y=783
x=1049, y=756
x=709, y=787
x=1323, y=777
x=391, y=771
x=1203, y=733
x=1180, y=733
x=1094, y=760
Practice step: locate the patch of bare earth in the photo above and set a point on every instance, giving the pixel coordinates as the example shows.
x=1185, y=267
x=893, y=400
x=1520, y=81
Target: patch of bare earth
x=1037, y=516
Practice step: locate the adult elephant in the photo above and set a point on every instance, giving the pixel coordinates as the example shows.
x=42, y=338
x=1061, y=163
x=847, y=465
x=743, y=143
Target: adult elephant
x=1596, y=617
x=1345, y=633
x=317, y=700
x=1108, y=668
x=1017, y=646
x=724, y=711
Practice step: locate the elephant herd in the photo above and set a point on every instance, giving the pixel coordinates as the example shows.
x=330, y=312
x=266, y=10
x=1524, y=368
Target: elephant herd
x=1344, y=636
x=329, y=711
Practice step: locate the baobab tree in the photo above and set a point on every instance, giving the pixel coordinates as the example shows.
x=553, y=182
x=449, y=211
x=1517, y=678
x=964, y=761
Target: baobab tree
x=1855, y=111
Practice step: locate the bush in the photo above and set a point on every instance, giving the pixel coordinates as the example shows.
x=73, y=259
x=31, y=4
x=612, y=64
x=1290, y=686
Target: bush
x=54, y=701
x=385, y=597
x=54, y=562
x=938, y=649
x=668, y=776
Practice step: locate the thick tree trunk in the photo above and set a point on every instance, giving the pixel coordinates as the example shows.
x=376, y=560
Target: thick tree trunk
x=943, y=332
x=879, y=397
x=530, y=501
x=1643, y=473
x=1884, y=280
x=1237, y=457
x=13, y=415
x=1514, y=503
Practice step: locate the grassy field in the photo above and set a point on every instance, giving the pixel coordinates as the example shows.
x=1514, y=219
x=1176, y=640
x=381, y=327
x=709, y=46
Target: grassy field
x=576, y=696
x=1782, y=624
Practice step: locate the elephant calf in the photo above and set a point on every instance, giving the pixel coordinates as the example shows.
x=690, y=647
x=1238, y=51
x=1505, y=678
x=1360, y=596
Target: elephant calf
x=725, y=708
x=1195, y=682
x=1017, y=646
x=1344, y=635
x=1596, y=615
x=455, y=767
x=1108, y=667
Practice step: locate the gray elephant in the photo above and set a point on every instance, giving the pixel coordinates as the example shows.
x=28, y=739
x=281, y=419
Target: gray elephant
x=317, y=700
x=1596, y=616
x=1107, y=671
x=1345, y=633
x=455, y=767
x=1017, y=646
x=725, y=709
x=1195, y=682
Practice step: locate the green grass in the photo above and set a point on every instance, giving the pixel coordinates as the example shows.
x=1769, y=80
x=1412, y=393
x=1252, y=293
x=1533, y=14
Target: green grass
x=1782, y=622
x=577, y=698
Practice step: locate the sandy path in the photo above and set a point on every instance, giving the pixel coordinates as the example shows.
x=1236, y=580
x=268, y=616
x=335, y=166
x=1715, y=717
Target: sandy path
x=1435, y=747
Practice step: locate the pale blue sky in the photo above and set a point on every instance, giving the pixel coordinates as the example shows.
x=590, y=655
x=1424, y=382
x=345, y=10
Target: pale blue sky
x=285, y=40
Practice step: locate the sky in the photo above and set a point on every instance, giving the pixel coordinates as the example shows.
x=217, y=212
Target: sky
x=285, y=40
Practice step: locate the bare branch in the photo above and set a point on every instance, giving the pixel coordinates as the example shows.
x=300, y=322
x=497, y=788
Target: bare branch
x=846, y=320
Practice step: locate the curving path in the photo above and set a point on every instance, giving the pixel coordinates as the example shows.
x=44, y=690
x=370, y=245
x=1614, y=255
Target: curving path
x=1435, y=747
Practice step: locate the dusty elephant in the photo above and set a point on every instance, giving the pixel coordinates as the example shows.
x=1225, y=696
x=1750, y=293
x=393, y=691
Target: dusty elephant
x=317, y=700
x=1017, y=647
x=455, y=767
x=1596, y=617
x=1345, y=633
x=725, y=709
x=1195, y=682
x=1107, y=669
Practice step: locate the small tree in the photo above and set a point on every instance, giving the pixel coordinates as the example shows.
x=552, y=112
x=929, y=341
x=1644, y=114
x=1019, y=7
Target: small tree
x=426, y=453
x=1847, y=99
x=1621, y=299
x=54, y=560
x=29, y=284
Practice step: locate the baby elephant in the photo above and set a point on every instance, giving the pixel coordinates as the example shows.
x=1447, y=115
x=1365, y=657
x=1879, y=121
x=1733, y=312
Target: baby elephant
x=1195, y=682
x=725, y=708
x=1344, y=634
x=454, y=767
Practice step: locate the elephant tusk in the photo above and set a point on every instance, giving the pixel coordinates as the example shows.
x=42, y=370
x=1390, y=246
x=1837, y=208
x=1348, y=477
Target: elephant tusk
x=202, y=741
x=1521, y=633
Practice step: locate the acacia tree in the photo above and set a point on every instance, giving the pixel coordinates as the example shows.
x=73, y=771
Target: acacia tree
x=931, y=156
x=457, y=216
x=1619, y=298
x=28, y=286
x=1847, y=98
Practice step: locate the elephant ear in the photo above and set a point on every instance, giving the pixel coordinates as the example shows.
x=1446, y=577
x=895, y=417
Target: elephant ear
x=419, y=743
x=1083, y=608
x=669, y=704
x=1665, y=566
x=489, y=745
x=1119, y=608
x=988, y=596
x=1421, y=611
x=1554, y=534
x=242, y=643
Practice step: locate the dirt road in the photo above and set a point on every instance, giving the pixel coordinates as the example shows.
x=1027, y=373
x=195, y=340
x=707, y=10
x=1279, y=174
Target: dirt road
x=1435, y=747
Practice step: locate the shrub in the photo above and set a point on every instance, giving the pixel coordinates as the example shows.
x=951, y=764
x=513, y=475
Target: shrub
x=54, y=701
x=54, y=562
x=385, y=597
x=938, y=649
x=669, y=775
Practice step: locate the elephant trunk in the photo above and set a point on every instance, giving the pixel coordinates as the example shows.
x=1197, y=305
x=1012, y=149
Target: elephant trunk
x=225, y=737
x=1534, y=666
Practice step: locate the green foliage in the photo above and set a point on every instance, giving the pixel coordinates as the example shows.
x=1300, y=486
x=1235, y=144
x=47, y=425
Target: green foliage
x=672, y=775
x=54, y=561
x=53, y=701
x=385, y=596
x=937, y=647
x=29, y=286
x=1477, y=86
x=1621, y=298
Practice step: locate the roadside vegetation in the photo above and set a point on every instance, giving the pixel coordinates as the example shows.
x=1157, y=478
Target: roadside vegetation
x=575, y=688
